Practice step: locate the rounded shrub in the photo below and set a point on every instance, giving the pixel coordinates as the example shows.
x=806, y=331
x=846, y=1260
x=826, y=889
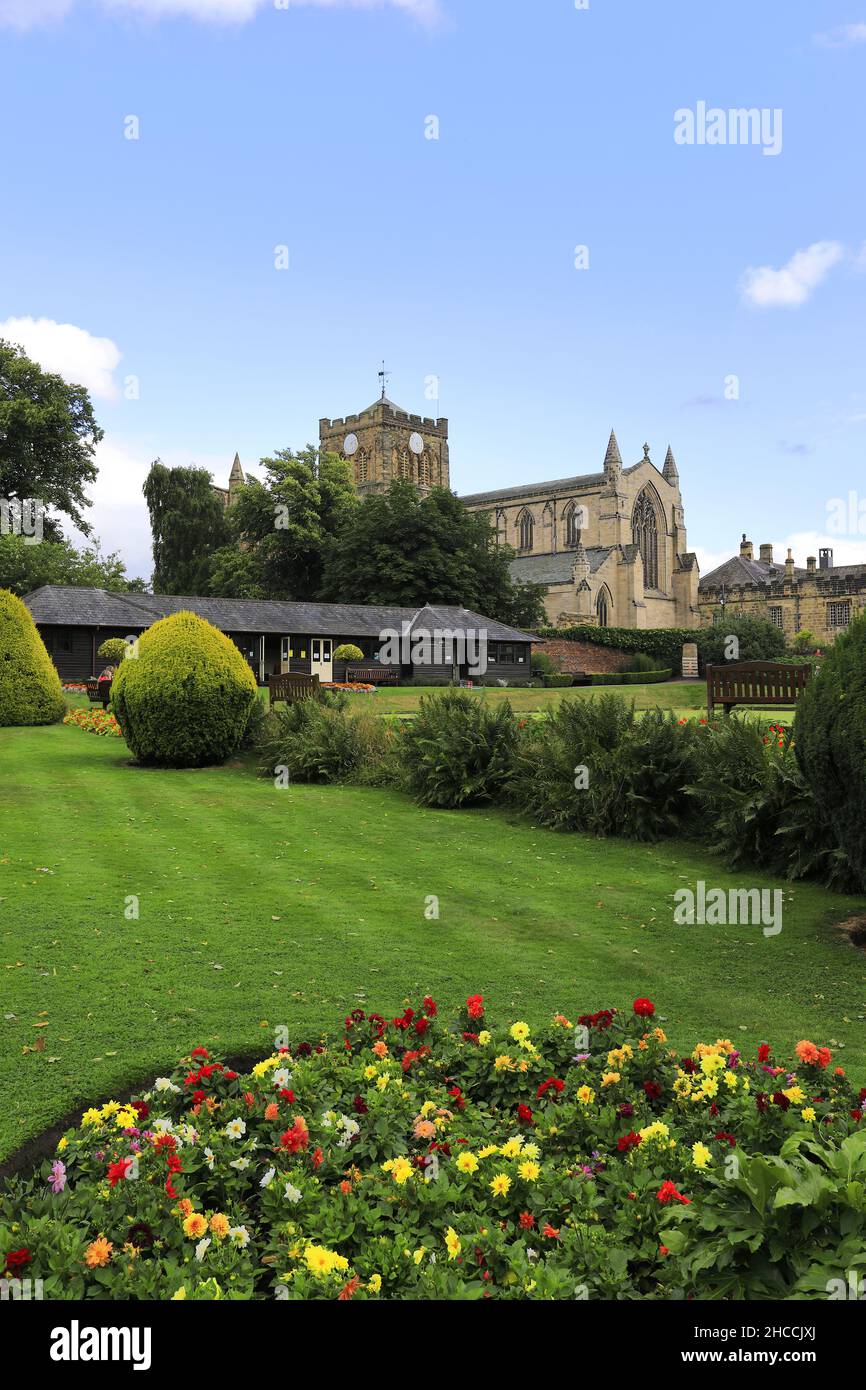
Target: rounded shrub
x=347, y=651
x=830, y=742
x=187, y=698
x=113, y=650
x=30, y=690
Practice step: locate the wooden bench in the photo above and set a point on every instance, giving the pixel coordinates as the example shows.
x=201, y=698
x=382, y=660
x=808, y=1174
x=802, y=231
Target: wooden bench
x=291, y=686
x=371, y=675
x=762, y=683
x=98, y=692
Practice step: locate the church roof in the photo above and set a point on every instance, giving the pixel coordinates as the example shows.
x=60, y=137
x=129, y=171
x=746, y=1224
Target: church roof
x=384, y=400
x=505, y=494
x=556, y=569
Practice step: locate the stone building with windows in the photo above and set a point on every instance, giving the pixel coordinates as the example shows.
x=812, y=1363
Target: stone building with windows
x=610, y=547
x=822, y=599
x=383, y=443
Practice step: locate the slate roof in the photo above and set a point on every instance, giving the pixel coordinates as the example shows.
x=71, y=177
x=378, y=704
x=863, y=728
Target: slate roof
x=579, y=483
x=556, y=569
x=70, y=607
x=739, y=570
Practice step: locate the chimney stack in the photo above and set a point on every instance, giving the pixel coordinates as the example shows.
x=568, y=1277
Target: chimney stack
x=811, y=562
x=767, y=553
x=746, y=548
x=825, y=559
x=789, y=565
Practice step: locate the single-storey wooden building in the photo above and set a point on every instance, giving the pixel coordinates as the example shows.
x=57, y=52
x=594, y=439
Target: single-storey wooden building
x=434, y=643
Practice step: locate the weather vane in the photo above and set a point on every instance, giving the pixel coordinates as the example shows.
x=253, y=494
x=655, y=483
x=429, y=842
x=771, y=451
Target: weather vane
x=383, y=377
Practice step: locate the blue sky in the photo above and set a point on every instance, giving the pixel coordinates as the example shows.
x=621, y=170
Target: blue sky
x=305, y=127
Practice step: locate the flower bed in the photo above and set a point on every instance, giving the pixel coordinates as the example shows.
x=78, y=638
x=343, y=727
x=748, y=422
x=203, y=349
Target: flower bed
x=94, y=721
x=356, y=687
x=418, y=1160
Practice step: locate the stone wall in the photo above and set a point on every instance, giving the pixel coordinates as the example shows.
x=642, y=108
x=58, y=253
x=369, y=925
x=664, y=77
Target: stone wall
x=583, y=656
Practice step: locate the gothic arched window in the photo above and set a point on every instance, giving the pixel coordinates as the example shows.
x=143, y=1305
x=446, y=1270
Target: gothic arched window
x=404, y=466
x=601, y=609
x=572, y=526
x=361, y=466
x=524, y=531
x=644, y=533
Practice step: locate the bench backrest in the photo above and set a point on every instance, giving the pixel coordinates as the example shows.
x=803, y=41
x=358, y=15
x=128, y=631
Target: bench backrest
x=756, y=683
x=370, y=675
x=292, y=685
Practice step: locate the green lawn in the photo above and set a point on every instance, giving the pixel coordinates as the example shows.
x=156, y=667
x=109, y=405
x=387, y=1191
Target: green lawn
x=260, y=907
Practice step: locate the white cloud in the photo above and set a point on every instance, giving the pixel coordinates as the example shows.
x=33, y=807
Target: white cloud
x=27, y=14
x=793, y=283
x=845, y=36
x=71, y=352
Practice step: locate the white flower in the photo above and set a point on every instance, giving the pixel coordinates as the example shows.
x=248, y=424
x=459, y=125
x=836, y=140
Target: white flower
x=164, y=1083
x=240, y=1164
x=162, y=1125
x=235, y=1129
x=293, y=1193
x=350, y=1128
x=201, y=1248
x=209, y=1156
x=268, y=1178
x=240, y=1235
x=282, y=1077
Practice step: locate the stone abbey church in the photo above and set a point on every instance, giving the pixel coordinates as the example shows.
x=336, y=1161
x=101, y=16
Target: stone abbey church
x=609, y=546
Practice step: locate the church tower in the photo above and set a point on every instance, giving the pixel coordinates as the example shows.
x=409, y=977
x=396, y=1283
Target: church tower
x=384, y=442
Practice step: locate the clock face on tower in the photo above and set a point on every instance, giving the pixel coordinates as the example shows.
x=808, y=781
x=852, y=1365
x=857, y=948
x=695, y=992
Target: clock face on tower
x=416, y=443
x=350, y=444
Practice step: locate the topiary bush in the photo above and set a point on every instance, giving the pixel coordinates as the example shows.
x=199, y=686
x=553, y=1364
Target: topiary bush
x=113, y=650
x=30, y=690
x=187, y=698
x=347, y=651
x=459, y=750
x=830, y=742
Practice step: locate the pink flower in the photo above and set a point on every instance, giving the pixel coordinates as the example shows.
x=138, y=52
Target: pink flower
x=58, y=1176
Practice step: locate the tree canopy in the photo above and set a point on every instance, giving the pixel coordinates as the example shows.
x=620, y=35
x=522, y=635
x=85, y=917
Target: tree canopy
x=188, y=523
x=303, y=533
x=24, y=567
x=405, y=549
x=285, y=528
x=48, y=438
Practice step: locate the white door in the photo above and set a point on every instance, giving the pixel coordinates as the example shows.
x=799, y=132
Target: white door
x=321, y=663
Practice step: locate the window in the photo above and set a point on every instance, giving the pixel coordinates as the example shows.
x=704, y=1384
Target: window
x=775, y=615
x=361, y=466
x=838, y=614
x=601, y=609
x=572, y=526
x=644, y=533
x=524, y=531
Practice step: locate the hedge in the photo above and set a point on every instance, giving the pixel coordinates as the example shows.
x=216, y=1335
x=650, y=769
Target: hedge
x=30, y=691
x=759, y=640
x=630, y=677
x=187, y=698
